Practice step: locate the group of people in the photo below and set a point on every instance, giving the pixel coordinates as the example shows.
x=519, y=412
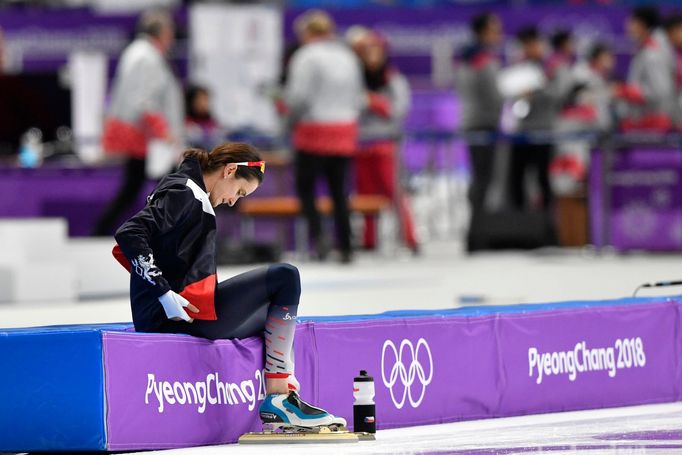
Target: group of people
x=343, y=105
x=546, y=90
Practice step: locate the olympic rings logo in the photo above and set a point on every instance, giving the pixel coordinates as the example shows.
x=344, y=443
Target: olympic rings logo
x=407, y=374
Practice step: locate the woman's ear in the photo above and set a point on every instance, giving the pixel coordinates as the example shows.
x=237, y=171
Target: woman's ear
x=230, y=168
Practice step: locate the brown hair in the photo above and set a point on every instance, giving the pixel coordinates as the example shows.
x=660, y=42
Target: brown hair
x=226, y=153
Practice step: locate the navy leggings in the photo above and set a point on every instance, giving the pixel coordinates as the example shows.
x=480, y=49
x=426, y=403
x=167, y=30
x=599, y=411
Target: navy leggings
x=261, y=302
x=242, y=303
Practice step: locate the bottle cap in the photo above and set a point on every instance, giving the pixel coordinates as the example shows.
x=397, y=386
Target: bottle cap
x=364, y=377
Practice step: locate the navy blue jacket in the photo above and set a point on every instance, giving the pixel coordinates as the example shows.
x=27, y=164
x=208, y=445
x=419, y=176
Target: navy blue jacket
x=170, y=245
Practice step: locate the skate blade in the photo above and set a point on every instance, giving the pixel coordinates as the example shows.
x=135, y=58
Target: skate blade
x=288, y=428
x=364, y=436
x=298, y=437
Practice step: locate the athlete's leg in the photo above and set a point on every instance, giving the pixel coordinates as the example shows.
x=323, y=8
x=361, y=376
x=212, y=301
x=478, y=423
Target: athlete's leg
x=263, y=301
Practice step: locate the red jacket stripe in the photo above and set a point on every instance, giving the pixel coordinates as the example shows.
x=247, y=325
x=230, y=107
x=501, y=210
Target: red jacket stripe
x=202, y=295
x=121, y=258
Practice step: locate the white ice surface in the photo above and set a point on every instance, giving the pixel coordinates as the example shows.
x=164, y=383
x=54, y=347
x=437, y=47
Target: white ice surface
x=562, y=433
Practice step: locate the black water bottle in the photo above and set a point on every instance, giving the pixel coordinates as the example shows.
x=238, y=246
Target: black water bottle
x=364, y=408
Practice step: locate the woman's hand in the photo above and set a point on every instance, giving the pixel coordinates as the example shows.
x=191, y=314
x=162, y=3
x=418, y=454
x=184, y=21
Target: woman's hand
x=174, y=305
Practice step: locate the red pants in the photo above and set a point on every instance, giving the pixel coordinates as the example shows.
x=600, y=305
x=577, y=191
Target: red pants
x=376, y=174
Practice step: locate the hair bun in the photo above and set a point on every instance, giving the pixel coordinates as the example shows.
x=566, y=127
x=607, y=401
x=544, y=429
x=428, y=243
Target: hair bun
x=200, y=155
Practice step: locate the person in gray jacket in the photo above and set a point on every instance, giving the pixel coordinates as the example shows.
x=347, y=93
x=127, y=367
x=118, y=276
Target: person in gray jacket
x=324, y=96
x=560, y=65
x=532, y=149
x=146, y=104
x=649, y=91
x=589, y=110
x=476, y=71
x=673, y=29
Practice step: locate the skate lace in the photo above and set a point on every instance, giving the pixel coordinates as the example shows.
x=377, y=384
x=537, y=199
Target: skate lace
x=295, y=400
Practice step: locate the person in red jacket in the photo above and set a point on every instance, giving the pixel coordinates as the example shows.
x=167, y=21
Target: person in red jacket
x=380, y=134
x=169, y=249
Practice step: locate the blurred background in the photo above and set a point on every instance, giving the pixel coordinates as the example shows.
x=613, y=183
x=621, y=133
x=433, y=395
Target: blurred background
x=482, y=126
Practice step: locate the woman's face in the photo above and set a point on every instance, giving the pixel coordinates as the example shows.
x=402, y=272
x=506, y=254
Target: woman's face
x=637, y=31
x=493, y=33
x=534, y=49
x=201, y=104
x=373, y=55
x=675, y=36
x=605, y=63
x=229, y=188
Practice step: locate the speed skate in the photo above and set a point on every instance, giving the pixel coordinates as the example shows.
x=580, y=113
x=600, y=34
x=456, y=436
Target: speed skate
x=287, y=419
x=300, y=435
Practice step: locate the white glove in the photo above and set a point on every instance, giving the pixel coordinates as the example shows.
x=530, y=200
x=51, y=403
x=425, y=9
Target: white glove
x=174, y=305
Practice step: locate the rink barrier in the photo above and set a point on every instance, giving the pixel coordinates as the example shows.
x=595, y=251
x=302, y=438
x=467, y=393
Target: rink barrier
x=105, y=387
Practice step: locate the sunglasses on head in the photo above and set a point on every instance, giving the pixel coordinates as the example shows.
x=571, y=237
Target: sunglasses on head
x=260, y=164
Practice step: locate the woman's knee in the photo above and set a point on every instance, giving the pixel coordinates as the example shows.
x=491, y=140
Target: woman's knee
x=285, y=274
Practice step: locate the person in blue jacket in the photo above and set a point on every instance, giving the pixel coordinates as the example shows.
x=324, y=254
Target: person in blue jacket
x=169, y=247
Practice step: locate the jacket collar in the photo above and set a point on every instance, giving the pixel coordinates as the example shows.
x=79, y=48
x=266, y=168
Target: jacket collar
x=192, y=168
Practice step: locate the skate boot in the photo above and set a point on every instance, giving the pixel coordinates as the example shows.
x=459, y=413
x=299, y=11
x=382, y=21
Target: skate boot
x=288, y=413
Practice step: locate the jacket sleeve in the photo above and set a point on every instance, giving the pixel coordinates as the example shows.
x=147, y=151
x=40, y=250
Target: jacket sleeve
x=658, y=86
x=135, y=236
x=399, y=92
x=485, y=88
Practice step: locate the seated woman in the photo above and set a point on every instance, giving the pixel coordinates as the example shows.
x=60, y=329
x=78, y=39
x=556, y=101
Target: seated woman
x=169, y=247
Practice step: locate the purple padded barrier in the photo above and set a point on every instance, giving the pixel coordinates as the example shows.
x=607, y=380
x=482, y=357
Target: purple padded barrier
x=427, y=369
x=456, y=362
x=139, y=414
x=640, y=371
x=148, y=406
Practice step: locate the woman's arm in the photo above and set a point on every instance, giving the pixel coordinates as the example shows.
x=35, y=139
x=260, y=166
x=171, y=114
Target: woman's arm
x=161, y=215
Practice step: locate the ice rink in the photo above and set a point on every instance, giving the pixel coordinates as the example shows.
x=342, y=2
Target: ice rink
x=637, y=430
x=443, y=277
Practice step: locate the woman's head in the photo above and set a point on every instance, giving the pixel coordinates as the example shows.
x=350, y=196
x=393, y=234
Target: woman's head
x=488, y=29
x=642, y=22
x=532, y=44
x=601, y=59
x=198, y=103
x=231, y=171
x=374, y=52
x=313, y=25
x=159, y=26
